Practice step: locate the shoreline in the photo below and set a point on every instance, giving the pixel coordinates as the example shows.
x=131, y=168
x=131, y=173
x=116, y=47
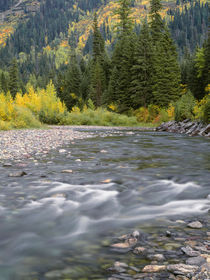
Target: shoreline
x=27, y=143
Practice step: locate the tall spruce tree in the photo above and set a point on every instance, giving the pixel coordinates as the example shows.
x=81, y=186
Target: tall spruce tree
x=166, y=74
x=69, y=84
x=142, y=70
x=122, y=59
x=99, y=66
x=14, y=86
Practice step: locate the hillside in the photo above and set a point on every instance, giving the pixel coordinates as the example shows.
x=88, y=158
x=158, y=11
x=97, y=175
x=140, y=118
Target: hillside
x=78, y=25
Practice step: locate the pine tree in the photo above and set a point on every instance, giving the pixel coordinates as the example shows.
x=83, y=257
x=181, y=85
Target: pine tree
x=99, y=66
x=122, y=59
x=123, y=12
x=142, y=70
x=156, y=22
x=4, y=83
x=166, y=75
x=14, y=78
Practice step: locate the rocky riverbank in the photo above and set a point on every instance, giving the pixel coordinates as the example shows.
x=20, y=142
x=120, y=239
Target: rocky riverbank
x=29, y=143
x=180, y=253
x=188, y=127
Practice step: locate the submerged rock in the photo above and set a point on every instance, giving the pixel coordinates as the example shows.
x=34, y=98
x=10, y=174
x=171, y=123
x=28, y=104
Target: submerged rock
x=195, y=224
x=196, y=260
x=18, y=174
x=182, y=269
x=189, y=251
x=153, y=268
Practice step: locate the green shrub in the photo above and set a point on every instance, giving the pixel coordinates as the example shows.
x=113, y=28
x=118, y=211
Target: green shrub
x=206, y=112
x=24, y=118
x=99, y=117
x=5, y=125
x=184, y=107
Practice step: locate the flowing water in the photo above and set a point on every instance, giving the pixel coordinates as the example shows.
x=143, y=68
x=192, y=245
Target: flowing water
x=56, y=225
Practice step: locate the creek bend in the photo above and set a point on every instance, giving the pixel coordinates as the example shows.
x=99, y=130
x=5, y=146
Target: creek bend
x=117, y=181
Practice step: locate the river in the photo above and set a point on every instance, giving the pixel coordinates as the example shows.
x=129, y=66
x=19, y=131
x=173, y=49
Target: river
x=58, y=220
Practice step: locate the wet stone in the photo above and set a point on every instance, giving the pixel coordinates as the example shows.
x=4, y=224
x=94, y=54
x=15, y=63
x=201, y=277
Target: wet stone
x=182, y=269
x=17, y=174
x=153, y=268
x=196, y=261
x=195, y=225
x=189, y=251
x=156, y=257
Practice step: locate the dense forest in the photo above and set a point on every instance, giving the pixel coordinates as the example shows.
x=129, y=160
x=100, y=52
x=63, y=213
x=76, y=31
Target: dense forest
x=151, y=71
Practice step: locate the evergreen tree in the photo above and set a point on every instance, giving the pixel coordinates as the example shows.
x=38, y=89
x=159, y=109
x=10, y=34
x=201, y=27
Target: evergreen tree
x=156, y=22
x=14, y=78
x=99, y=67
x=142, y=70
x=4, y=83
x=69, y=84
x=166, y=75
x=122, y=59
x=123, y=12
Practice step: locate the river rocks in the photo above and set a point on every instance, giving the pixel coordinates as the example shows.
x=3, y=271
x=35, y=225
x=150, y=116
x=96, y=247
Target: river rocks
x=154, y=268
x=195, y=224
x=188, y=258
x=182, y=269
x=188, y=127
x=127, y=244
x=189, y=251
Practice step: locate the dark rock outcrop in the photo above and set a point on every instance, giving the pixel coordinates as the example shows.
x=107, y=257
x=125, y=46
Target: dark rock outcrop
x=188, y=127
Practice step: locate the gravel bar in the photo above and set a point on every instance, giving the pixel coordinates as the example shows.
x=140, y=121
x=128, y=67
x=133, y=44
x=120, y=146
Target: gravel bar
x=25, y=143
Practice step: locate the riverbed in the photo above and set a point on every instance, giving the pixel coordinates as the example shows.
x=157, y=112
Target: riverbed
x=62, y=208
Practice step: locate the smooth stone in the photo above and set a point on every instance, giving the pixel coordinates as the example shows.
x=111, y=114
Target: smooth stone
x=182, y=269
x=136, y=234
x=196, y=261
x=62, y=151
x=139, y=250
x=7, y=165
x=153, y=268
x=195, y=225
x=156, y=257
x=127, y=244
x=18, y=174
x=67, y=171
x=189, y=251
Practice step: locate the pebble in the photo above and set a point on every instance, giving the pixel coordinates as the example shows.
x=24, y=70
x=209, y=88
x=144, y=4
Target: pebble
x=18, y=174
x=189, y=251
x=196, y=260
x=195, y=224
x=153, y=268
x=182, y=269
